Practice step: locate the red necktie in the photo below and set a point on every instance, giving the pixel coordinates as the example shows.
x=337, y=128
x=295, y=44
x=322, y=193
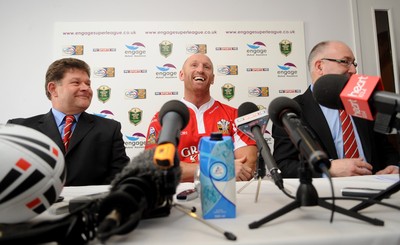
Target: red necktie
x=69, y=120
x=349, y=140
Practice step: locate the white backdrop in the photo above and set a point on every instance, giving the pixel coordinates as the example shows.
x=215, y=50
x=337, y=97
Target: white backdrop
x=135, y=65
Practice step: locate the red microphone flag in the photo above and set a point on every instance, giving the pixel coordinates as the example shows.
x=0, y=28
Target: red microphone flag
x=356, y=94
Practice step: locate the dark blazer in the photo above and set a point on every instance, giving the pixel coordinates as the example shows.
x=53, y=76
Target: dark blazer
x=96, y=151
x=377, y=149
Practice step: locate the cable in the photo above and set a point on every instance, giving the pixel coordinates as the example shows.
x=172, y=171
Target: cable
x=325, y=170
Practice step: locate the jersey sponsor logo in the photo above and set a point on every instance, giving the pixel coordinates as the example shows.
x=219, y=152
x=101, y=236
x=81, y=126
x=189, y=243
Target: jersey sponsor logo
x=190, y=152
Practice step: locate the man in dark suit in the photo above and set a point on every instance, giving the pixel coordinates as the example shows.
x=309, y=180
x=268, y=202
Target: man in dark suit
x=96, y=151
x=376, y=154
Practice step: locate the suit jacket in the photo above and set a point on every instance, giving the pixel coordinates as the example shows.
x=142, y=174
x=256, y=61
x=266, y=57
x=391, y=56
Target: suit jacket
x=96, y=151
x=379, y=152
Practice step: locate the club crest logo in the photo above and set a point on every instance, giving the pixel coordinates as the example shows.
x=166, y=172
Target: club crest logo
x=228, y=91
x=223, y=126
x=165, y=48
x=135, y=116
x=286, y=47
x=104, y=93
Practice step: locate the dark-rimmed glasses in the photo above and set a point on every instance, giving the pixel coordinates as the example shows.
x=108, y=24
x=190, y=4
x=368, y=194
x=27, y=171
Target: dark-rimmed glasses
x=347, y=63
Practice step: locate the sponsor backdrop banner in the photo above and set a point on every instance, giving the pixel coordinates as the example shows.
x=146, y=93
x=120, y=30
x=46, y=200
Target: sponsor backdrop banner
x=135, y=65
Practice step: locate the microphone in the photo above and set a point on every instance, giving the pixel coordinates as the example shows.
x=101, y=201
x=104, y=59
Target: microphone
x=284, y=113
x=173, y=117
x=252, y=122
x=359, y=96
x=137, y=192
x=145, y=187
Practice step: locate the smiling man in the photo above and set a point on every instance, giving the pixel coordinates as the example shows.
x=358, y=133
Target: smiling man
x=93, y=147
x=206, y=116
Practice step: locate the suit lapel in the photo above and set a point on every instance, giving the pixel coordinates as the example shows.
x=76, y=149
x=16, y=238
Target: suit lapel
x=47, y=125
x=318, y=123
x=84, y=125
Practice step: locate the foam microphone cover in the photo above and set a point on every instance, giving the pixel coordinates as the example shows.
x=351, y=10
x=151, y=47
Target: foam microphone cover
x=281, y=105
x=247, y=108
x=327, y=89
x=175, y=106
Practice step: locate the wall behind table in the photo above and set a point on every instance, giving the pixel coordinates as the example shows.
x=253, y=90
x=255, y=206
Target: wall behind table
x=27, y=33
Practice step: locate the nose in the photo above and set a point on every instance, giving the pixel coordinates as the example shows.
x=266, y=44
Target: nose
x=352, y=69
x=200, y=68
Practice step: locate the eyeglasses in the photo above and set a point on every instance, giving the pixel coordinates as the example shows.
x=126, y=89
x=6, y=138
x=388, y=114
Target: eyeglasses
x=347, y=63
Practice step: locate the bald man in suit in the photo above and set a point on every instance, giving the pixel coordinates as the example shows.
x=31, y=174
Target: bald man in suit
x=376, y=154
x=95, y=152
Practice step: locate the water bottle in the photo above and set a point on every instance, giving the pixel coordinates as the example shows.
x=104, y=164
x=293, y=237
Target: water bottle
x=217, y=177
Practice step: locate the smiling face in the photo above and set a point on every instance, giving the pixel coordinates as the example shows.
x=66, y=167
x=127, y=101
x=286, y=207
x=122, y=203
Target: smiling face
x=197, y=74
x=72, y=94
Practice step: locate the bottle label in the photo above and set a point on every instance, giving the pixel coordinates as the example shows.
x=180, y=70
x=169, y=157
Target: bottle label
x=217, y=178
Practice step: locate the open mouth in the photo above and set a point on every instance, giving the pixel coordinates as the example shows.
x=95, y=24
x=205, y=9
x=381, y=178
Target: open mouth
x=199, y=79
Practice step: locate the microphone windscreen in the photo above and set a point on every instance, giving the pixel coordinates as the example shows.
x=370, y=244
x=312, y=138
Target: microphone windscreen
x=175, y=106
x=327, y=90
x=281, y=105
x=247, y=108
x=141, y=165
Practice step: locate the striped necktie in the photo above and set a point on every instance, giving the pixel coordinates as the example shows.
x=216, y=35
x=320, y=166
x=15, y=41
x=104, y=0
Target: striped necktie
x=69, y=120
x=349, y=140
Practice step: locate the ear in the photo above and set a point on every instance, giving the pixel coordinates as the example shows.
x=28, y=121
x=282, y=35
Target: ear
x=212, y=78
x=181, y=75
x=318, y=66
x=51, y=87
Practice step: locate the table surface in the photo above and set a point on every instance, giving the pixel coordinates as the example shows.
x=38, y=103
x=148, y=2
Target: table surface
x=303, y=225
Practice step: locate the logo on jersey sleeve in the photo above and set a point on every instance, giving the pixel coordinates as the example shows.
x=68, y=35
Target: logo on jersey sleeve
x=152, y=137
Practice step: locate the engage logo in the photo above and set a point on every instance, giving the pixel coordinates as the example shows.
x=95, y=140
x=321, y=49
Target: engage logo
x=105, y=114
x=136, y=49
x=287, y=70
x=136, y=141
x=256, y=49
x=166, y=71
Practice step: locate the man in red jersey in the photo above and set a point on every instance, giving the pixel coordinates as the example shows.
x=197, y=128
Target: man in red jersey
x=206, y=116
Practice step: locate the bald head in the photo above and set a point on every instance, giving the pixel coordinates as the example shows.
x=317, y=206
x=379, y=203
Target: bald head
x=331, y=57
x=198, y=57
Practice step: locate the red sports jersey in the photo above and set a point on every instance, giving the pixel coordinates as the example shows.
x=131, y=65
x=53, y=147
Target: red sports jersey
x=210, y=117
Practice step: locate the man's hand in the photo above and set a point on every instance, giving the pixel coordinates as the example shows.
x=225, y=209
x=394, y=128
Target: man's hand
x=391, y=169
x=350, y=167
x=243, y=172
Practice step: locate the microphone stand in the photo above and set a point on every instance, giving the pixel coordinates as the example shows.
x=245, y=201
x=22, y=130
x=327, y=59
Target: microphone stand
x=307, y=196
x=258, y=175
x=392, y=123
x=191, y=213
x=378, y=197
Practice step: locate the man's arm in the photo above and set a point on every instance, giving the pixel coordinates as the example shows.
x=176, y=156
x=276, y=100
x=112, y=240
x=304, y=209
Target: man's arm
x=245, y=162
x=188, y=171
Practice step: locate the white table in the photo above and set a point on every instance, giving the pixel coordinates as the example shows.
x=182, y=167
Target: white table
x=304, y=225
